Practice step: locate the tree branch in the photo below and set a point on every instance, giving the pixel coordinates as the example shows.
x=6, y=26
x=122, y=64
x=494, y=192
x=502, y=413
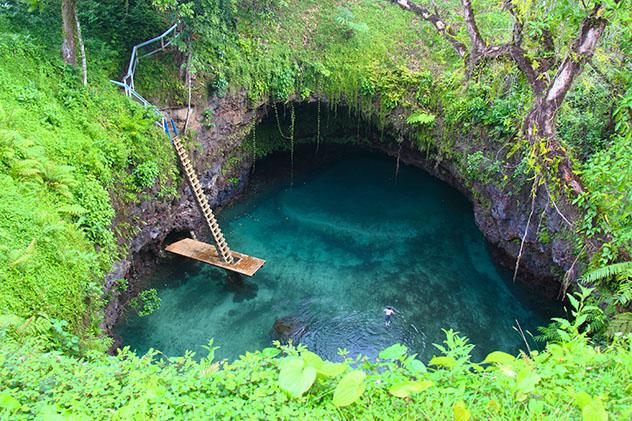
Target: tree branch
x=478, y=44
x=437, y=22
x=582, y=50
x=512, y=50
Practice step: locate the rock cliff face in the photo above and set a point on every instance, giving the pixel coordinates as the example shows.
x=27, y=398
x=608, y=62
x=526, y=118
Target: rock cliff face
x=156, y=220
x=501, y=215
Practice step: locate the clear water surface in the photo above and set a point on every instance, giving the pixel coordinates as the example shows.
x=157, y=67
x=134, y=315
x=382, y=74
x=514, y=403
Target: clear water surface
x=342, y=242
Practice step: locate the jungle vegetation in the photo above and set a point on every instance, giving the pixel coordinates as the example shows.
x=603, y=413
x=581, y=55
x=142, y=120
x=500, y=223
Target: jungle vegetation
x=539, y=92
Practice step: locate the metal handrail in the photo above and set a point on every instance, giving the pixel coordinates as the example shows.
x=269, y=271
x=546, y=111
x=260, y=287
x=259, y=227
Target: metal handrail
x=133, y=61
x=128, y=80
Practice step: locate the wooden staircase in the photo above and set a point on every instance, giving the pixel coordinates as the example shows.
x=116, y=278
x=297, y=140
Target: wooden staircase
x=220, y=255
x=222, y=246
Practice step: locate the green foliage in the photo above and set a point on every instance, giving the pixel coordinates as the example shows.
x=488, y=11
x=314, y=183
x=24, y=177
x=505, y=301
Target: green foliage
x=586, y=318
x=409, y=388
x=65, y=153
x=606, y=203
x=393, y=352
x=121, y=285
x=421, y=118
x=558, y=383
x=346, y=20
x=146, y=302
x=350, y=388
x=296, y=377
x=480, y=168
x=96, y=218
x=146, y=174
x=208, y=119
x=618, y=270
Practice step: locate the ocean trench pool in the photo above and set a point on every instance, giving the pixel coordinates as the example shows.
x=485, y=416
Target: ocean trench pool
x=344, y=240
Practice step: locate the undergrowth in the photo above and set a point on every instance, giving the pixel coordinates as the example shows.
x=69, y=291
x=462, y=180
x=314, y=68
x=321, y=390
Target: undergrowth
x=571, y=379
x=64, y=150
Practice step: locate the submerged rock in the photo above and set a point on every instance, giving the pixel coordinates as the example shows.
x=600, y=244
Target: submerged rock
x=289, y=327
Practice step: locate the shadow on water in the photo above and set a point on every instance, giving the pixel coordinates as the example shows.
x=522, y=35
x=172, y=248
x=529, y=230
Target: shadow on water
x=341, y=243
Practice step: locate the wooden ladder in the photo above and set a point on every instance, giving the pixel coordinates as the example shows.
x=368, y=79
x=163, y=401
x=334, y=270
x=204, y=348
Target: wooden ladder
x=200, y=197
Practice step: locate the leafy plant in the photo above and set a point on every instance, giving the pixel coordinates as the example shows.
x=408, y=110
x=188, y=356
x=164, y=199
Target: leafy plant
x=350, y=388
x=586, y=318
x=145, y=174
x=421, y=118
x=621, y=271
x=146, y=302
x=346, y=20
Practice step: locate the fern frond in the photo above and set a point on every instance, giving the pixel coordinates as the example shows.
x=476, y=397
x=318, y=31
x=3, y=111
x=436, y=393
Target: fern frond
x=30, y=169
x=623, y=295
x=617, y=269
x=420, y=118
x=620, y=324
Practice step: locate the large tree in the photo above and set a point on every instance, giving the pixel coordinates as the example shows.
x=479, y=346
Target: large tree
x=73, y=40
x=549, y=69
x=549, y=76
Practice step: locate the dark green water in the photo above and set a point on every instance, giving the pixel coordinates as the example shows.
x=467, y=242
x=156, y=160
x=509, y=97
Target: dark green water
x=344, y=241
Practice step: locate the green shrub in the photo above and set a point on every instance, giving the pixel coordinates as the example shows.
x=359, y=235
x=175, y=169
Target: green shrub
x=569, y=380
x=146, y=174
x=146, y=302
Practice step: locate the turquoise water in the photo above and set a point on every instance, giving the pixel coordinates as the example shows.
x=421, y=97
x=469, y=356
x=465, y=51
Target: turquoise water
x=342, y=242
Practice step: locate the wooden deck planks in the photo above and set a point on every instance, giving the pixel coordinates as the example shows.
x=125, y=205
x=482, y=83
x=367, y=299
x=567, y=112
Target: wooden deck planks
x=244, y=264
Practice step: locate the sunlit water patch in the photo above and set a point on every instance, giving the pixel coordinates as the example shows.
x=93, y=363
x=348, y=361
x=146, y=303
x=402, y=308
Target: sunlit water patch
x=342, y=242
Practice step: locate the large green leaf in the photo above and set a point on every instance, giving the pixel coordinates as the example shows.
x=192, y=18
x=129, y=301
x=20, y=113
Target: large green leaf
x=499, y=358
x=405, y=389
x=8, y=402
x=594, y=411
x=270, y=352
x=526, y=381
x=329, y=369
x=415, y=366
x=350, y=388
x=311, y=359
x=295, y=378
x=447, y=362
x=323, y=368
x=393, y=352
x=461, y=413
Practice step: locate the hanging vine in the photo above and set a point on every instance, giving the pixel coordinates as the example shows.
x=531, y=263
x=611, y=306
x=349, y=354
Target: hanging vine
x=254, y=147
x=292, y=120
x=278, y=121
x=318, y=127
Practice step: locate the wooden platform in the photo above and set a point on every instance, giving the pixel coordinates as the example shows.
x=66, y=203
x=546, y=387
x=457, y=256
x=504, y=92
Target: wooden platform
x=244, y=264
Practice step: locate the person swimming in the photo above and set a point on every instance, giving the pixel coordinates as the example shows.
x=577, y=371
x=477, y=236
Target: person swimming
x=388, y=315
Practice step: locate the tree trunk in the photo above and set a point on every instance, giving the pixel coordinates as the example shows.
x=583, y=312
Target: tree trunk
x=69, y=27
x=82, y=49
x=539, y=126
